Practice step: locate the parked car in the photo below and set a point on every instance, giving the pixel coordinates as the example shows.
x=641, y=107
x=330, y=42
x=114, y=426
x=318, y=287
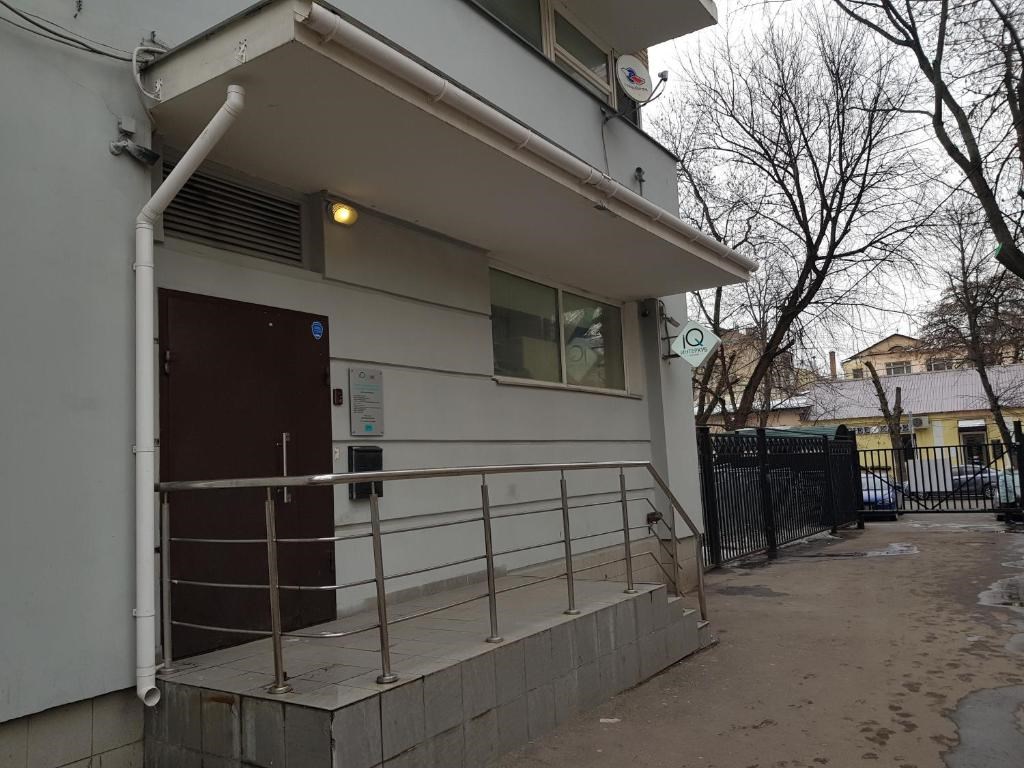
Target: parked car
x=877, y=493
x=974, y=480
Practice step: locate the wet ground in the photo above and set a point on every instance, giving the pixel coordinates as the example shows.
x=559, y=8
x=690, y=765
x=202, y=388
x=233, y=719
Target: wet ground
x=901, y=645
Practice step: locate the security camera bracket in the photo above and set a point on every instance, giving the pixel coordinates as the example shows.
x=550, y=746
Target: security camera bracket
x=142, y=154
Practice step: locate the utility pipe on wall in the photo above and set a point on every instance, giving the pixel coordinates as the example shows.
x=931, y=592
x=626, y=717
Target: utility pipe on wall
x=145, y=391
x=330, y=26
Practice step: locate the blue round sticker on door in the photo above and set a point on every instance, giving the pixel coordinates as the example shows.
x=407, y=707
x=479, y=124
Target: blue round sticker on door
x=318, y=330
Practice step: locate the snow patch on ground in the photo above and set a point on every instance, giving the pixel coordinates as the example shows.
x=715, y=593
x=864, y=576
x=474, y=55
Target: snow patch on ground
x=894, y=549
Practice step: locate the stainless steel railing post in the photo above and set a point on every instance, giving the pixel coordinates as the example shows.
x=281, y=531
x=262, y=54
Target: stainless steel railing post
x=280, y=684
x=386, y=676
x=492, y=593
x=567, y=538
x=698, y=548
x=630, y=589
x=676, y=581
x=165, y=584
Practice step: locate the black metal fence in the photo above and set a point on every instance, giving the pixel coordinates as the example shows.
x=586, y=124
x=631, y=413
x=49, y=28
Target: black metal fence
x=760, y=491
x=967, y=477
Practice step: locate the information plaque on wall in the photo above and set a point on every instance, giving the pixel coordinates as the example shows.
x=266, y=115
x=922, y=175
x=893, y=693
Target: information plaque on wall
x=366, y=401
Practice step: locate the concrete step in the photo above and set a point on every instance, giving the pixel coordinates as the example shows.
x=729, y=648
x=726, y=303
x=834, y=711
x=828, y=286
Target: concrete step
x=705, y=635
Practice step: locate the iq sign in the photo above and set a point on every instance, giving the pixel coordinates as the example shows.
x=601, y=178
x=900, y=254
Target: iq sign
x=695, y=343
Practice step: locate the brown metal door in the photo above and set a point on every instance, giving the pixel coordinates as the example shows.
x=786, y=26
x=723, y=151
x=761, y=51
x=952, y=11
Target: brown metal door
x=235, y=378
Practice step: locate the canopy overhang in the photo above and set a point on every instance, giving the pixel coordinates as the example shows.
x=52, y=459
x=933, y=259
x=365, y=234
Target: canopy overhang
x=332, y=108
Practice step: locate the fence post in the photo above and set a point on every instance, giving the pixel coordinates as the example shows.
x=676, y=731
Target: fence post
x=828, y=499
x=858, y=490
x=767, y=507
x=706, y=462
x=1018, y=438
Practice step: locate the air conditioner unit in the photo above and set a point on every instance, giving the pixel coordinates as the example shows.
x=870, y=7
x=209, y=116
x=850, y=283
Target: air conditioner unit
x=920, y=422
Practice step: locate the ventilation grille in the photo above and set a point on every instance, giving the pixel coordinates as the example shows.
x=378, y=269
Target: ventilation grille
x=219, y=212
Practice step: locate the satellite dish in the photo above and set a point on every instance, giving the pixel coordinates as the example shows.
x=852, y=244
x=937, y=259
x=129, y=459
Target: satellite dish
x=634, y=78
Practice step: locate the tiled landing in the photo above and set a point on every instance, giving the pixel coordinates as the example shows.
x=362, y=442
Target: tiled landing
x=459, y=701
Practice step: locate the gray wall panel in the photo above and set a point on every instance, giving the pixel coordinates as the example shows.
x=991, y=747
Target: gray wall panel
x=66, y=308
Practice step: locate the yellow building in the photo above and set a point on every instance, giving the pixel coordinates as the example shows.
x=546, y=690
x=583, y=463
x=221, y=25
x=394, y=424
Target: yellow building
x=899, y=354
x=787, y=382
x=939, y=408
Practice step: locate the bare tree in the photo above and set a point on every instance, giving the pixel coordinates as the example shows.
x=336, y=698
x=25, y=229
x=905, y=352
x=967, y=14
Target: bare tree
x=724, y=205
x=893, y=417
x=714, y=382
x=979, y=316
x=793, y=148
x=970, y=55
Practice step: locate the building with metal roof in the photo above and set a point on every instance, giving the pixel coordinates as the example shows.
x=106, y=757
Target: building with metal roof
x=940, y=407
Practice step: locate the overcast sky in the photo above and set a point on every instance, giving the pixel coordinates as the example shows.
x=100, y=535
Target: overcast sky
x=911, y=295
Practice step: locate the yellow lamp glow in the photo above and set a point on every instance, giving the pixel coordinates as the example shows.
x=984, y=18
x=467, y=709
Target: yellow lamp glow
x=344, y=214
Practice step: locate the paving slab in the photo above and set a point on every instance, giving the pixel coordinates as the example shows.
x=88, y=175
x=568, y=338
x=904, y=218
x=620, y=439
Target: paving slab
x=827, y=656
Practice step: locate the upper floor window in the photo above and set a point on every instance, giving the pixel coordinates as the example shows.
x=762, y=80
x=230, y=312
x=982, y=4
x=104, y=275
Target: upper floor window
x=521, y=16
x=582, y=58
x=897, y=368
x=541, y=333
x=940, y=365
x=858, y=373
x=565, y=41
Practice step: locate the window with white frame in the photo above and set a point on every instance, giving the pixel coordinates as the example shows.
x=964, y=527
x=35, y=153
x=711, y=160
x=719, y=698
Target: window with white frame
x=542, y=333
x=897, y=368
x=563, y=39
x=940, y=364
x=581, y=58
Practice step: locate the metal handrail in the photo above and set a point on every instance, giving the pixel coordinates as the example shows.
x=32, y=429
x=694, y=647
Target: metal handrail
x=274, y=587
x=344, y=478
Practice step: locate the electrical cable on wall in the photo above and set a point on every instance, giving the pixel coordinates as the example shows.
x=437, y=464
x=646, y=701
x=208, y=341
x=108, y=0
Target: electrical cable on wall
x=76, y=34
x=137, y=74
x=49, y=31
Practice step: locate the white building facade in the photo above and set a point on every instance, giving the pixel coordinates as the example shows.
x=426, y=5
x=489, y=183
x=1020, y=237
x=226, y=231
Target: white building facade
x=514, y=252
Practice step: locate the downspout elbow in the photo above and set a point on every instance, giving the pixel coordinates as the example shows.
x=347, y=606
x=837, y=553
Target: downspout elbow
x=234, y=104
x=147, y=692
x=235, y=101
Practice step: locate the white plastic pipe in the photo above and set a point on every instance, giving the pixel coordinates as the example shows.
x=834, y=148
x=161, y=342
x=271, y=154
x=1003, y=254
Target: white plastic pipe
x=145, y=392
x=332, y=27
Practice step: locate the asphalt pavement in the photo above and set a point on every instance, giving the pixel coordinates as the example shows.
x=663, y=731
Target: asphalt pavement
x=901, y=645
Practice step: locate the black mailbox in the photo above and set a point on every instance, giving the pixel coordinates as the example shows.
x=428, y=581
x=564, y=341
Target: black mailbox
x=365, y=458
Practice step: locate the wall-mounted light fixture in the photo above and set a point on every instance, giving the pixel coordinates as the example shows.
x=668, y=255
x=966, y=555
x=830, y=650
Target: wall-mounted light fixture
x=343, y=214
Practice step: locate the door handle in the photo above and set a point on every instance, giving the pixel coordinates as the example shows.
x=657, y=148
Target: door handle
x=286, y=495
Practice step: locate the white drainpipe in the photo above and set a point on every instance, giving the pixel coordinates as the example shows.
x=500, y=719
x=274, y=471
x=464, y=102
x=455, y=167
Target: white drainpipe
x=330, y=26
x=145, y=392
